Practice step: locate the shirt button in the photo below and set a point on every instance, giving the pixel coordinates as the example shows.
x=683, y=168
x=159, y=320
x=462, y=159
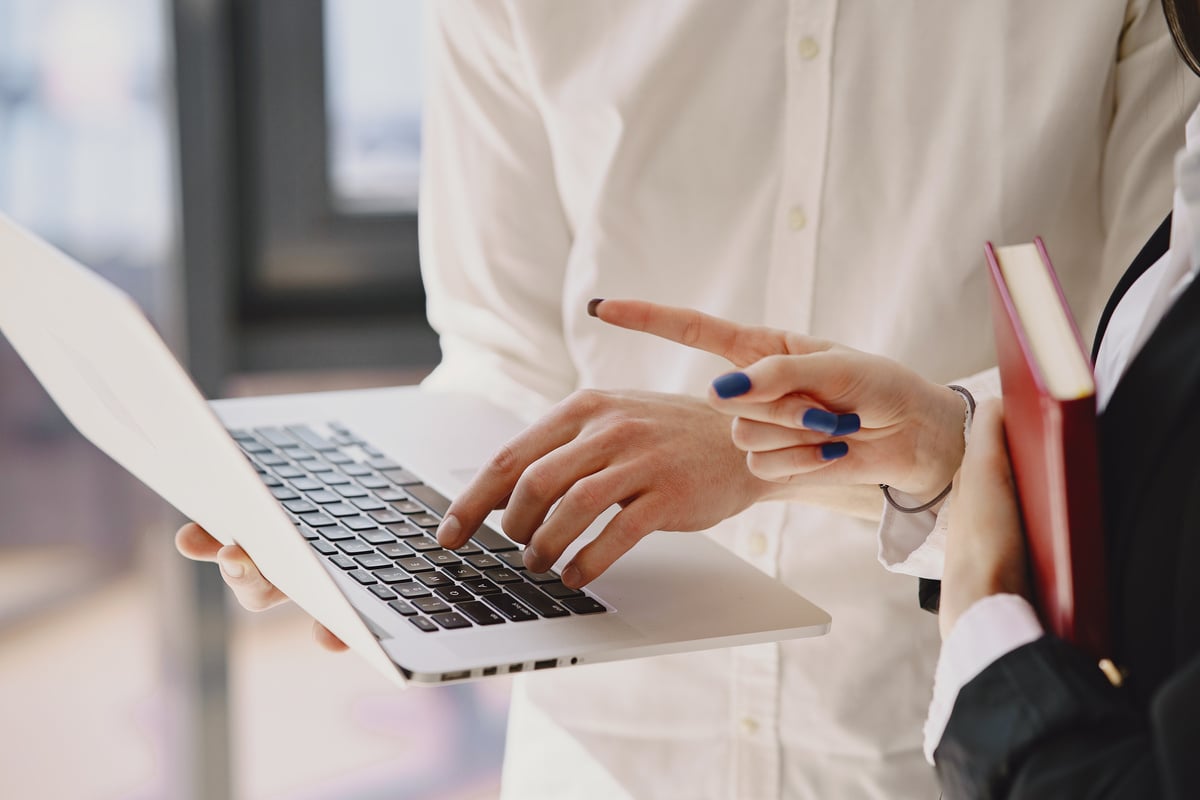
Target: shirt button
x=749, y=726
x=808, y=48
x=757, y=545
x=797, y=219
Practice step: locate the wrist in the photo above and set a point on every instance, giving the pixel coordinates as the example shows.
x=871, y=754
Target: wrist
x=939, y=443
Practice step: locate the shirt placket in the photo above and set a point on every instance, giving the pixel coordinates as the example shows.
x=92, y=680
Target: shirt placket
x=791, y=279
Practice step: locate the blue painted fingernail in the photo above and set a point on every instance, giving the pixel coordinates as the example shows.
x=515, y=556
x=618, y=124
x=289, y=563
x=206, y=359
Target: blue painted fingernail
x=847, y=424
x=732, y=384
x=816, y=419
x=834, y=450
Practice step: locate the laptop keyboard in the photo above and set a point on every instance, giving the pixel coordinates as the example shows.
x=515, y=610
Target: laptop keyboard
x=375, y=520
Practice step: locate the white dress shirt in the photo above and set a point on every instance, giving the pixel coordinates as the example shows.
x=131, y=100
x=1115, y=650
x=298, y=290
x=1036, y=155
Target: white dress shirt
x=999, y=624
x=821, y=166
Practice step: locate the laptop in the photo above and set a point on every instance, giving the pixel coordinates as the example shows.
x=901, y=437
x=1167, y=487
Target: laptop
x=336, y=495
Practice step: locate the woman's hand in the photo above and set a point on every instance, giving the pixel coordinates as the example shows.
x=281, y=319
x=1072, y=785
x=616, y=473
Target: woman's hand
x=985, y=545
x=240, y=574
x=811, y=412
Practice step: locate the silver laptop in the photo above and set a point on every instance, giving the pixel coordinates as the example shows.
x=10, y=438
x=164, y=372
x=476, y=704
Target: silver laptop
x=335, y=496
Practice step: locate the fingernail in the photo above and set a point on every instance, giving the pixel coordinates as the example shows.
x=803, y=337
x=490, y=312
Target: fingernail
x=449, y=530
x=834, y=450
x=595, y=301
x=572, y=577
x=233, y=569
x=816, y=419
x=847, y=424
x=732, y=384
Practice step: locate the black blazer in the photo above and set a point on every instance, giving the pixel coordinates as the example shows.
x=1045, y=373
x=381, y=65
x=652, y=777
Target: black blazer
x=1043, y=721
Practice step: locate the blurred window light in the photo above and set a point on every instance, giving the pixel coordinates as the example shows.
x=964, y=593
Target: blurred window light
x=373, y=103
x=85, y=149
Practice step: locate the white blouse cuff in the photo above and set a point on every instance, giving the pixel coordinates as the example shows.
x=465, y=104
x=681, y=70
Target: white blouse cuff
x=990, y=628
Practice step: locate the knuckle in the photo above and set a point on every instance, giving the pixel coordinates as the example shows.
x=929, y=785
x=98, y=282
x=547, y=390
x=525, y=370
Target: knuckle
x=585, y=402
x=588, y=495
x=537, y=483
x=504, y=461
x=691, y=331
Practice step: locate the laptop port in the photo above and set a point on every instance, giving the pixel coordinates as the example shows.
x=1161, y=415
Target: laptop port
x=489, y=671
x=516, y=668
x=456, y=676
x=547, y=664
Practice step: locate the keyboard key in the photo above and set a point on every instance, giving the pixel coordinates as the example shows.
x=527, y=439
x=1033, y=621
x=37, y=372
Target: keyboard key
x=343, y=562
x=299, y=506
x=370, y=504
x=356, y=469
x=415, y=565
x=296, y=453
x=386, y=516
x=338, y=457
x=404, y=530
x=430, y=497
x=271, y=480
x=317, y=466
x=374, y=561
x=351, y=490
x=389, y=494
x=537, y=600
x=382, y=592
x=584, y=605
x=288, y=471
x=481, y=586
x=308, y=533
x=469, y=549
x=422, y=544
x=383, y=463
x=425, y=520
x=483, y=561
x=358, y=523
x=322, y=496
x=509, y=607
x=353, y=547
x=431, y=605
x=311, y=438
x=335, y=478
x=423, y=624
x=409, y=589
x=282, y=493
x=240, y=434
x=271, y=460
x=392, y=575
x=324, y=548
x=340, y=510
x=373, y=482
x=316, y=520
x=479, y=613
x=442, y=558
x=377, y=537
x=503, y=575
x=337, y=534
x=491, y=541
x=453, y=594
x=406, y=506
x=513, y=560
x=450, y=620
x=462, y=572
x=560, y=591
x=400, y=477
x=276, y=436
x=402, y=607
x=393, y=549
x=306, y=484
x=550, y=576
x=434, y=580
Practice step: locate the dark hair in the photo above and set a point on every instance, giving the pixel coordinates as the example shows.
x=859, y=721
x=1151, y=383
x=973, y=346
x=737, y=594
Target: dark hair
x=1183, y=17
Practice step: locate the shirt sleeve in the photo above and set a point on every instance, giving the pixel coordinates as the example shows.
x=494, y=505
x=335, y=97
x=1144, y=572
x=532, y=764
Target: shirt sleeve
x=915, y=544
x=990, y=628
x=494, y=236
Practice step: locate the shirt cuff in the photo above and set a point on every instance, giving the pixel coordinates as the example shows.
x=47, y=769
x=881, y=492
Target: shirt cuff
x=911, y=544
x=989, y=629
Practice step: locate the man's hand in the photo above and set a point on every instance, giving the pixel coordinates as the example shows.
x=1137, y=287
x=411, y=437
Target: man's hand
x=813, y=413
x=666, y=460
x=985, y=545
x=252, y=590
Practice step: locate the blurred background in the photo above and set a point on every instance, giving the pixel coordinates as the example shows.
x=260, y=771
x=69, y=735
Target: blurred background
x=247, y=170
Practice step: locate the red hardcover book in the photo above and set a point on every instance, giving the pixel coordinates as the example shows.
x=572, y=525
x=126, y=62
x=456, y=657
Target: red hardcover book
x=1050, y=425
